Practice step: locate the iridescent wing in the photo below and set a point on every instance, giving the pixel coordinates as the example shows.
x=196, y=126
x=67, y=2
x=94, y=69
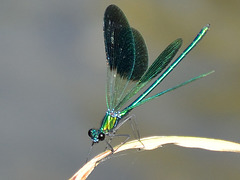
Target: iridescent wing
x=126, y=56
x=156, y=68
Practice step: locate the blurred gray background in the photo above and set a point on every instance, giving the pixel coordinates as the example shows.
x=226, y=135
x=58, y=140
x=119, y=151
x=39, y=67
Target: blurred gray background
x=52, y=88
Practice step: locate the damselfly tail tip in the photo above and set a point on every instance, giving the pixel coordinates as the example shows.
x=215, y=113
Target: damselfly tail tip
x=207, y=27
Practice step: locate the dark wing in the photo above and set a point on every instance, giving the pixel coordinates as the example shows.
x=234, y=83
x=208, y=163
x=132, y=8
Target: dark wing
x=155, y=69
x=123, y=51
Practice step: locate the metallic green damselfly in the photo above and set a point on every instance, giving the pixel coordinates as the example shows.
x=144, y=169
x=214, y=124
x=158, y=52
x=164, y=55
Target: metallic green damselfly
x=128, y=71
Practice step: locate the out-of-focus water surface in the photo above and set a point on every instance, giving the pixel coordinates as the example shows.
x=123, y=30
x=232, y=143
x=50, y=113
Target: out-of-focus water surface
x=52, y=88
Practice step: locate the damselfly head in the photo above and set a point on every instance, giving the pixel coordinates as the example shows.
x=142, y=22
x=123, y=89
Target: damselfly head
x=96, y=135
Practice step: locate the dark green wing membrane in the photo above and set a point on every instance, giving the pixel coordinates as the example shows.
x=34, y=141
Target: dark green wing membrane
x=141, y=55
x=127, y=59
x=126, y=55
x=155, y=69
x=119, y=42
x=162, y=61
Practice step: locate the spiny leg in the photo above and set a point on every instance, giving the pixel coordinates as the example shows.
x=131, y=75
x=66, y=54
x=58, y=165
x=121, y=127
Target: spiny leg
x=111, y=135
x=132, y=119
x=135, y=128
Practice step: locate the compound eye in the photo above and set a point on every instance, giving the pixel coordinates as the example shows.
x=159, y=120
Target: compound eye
x=90, y=132
x=101, y=136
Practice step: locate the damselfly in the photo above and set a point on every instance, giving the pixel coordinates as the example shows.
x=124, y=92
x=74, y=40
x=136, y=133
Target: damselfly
x=128, y=72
